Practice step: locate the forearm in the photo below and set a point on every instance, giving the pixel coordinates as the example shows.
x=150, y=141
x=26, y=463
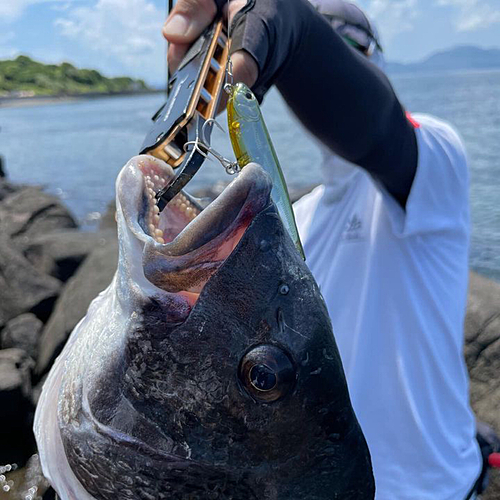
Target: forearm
x=336, y=92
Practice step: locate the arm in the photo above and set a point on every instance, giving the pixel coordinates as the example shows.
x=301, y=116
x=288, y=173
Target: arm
x=348, y=103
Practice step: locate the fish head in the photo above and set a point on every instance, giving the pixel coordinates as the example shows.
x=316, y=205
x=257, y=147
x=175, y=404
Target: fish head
x=208, y=369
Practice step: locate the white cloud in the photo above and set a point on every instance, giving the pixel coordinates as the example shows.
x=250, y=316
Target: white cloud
x=10, y=10
x=392, y=16
x=473, y=14
x=125, y=31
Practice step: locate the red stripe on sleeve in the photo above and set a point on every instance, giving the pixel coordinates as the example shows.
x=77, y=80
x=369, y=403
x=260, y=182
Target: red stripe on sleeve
x=412, y=120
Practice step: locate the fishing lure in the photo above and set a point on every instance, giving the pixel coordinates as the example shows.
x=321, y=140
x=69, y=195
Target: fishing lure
x=251, y=143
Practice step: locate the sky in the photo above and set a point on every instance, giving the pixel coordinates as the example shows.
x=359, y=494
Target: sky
x=122, y=37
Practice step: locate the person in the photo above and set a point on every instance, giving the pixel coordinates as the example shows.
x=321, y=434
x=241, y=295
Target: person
x=386, y=234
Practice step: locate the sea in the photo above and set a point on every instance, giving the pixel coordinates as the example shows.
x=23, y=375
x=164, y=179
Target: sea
x=76, y=149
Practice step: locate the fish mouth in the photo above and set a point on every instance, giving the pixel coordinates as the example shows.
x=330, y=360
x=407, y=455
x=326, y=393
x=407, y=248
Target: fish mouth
x=184, y=245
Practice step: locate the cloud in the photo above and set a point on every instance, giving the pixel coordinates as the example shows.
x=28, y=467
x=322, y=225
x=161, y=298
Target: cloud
x=392, y=16
x=10, y=10
x=473, y=14
x=125, y=31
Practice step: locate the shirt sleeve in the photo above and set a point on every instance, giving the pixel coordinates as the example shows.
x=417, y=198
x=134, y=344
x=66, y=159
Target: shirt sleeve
x=439, y=196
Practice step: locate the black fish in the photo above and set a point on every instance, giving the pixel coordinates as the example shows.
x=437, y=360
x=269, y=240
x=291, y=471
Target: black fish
x=208, y=368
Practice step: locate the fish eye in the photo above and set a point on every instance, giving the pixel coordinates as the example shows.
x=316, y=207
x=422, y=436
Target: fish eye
x=267, y=373
x=263, y=378
x=249, y=96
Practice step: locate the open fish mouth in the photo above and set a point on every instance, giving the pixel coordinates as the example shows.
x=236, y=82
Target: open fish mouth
x=184, y=245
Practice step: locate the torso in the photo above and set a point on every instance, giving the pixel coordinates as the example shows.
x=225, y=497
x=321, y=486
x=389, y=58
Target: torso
x=395, y=286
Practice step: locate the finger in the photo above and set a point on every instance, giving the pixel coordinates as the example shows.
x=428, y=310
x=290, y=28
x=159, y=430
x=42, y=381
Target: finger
x=234, y=6
x=176, y=53
x=188, y=19
x=245, y=70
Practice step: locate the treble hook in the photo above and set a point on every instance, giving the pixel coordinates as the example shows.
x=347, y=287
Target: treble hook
x=231, y=167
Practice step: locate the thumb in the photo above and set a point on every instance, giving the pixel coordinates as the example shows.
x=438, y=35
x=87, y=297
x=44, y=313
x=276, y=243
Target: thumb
x=188, y=19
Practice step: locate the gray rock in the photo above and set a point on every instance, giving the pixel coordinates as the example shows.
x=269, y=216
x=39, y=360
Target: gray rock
x=93, y=276
x=482, y=354
x=16, y=416
x=108, y=219
x=22, y=288
x=482, y=347
x=29, y=211
x=37, y=389
x=15, y=379
x=23, y=333
x=7, y=188
x=59, y=254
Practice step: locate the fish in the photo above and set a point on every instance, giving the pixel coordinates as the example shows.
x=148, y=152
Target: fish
x=208, y=368
x=251, y=142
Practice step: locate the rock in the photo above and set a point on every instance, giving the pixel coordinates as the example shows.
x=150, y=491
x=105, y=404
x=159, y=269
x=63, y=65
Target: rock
x=37, y=390
x=23, y=333
x=93, y=276
x=6, y=188
x=16, y=417
x=59, y=254
x=108, y=219
x=482, y=347
x=482, y=354
x=50, y=494
x=22, y=288
x=29, y=211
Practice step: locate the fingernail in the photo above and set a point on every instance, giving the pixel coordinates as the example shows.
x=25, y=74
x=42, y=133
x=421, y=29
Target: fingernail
x=177, y=25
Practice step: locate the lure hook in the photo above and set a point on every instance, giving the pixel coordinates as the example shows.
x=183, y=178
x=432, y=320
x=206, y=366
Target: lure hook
x=231, y=167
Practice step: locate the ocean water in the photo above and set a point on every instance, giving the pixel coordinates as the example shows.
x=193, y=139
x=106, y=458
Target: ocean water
x=77, y=149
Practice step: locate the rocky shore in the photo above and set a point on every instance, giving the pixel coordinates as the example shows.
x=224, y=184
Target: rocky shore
x=50, y=271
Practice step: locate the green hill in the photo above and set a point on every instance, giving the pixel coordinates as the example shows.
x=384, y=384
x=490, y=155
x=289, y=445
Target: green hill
x=25, y=76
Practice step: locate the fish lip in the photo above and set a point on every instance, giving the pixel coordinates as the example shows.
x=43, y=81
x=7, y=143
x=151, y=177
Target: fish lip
x=203, y=244
x=239, y=203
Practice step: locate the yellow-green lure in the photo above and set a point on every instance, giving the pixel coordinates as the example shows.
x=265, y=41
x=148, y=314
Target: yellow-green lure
x=251, y=143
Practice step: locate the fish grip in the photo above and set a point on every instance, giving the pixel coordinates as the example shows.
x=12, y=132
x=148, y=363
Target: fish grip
x=193, y=93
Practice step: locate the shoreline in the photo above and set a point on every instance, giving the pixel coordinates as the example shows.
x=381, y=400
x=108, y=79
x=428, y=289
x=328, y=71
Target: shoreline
x=44, y=100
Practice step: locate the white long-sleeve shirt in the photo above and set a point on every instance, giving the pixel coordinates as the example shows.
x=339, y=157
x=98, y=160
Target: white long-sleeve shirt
x=395, y=285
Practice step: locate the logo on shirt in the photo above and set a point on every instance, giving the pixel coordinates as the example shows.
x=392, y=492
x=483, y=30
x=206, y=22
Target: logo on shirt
x=353, y=228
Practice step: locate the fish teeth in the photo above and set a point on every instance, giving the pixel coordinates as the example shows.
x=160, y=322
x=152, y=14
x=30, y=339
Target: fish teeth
x=153, y=182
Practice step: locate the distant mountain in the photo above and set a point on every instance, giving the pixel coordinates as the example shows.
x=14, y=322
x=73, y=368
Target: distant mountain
x=456, y=58
x=24, y=77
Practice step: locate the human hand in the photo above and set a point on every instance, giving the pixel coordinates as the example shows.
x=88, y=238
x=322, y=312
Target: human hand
x=185, y=24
